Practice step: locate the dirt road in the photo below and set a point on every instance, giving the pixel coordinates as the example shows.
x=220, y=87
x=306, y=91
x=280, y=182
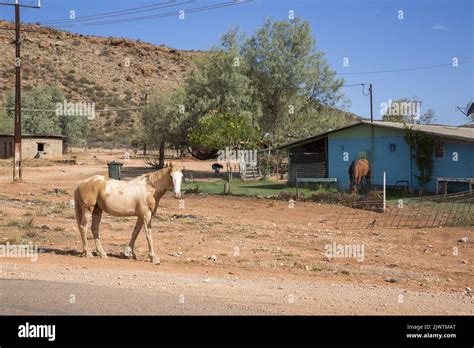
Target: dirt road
x=93, y=287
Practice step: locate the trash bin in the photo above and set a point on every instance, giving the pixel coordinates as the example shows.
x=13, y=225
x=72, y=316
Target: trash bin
x=115, y=170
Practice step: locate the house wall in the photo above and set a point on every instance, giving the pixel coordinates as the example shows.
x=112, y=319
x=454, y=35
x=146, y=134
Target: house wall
x=53, y=148
x=447, y=167
x=353, y=140
x=397, y=164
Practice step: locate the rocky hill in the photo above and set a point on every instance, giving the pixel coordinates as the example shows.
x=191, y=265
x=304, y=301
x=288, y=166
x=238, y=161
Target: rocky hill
x=114, y=73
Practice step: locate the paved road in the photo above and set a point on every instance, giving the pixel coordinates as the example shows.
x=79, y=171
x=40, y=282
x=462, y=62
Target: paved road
x=28, y=297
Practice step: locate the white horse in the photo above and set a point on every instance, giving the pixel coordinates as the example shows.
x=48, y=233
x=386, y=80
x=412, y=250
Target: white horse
x=139, y=197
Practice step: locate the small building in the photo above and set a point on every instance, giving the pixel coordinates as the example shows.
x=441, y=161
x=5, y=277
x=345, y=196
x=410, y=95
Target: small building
x=328, y=155
x=49, y=146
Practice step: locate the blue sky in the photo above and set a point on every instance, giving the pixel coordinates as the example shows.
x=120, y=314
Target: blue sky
x=369, y=33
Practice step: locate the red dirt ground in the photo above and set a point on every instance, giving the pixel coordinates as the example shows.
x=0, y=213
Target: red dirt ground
x=251, y=238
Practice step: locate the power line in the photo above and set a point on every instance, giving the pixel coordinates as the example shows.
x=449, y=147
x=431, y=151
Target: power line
x=167, y=14
x=101, y=110
x=38, y=5
x=402, y=69
x=120, y=13
x=355, y=84
x=335, y=87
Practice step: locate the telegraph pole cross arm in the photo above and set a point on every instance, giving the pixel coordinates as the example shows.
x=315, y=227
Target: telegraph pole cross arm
x=17, y=175
x=38, y=4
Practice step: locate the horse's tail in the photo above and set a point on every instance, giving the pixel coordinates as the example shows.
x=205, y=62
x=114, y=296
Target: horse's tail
x=351, y=172
x=78, y=208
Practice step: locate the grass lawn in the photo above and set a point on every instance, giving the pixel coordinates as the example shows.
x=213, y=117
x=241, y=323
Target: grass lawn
x=250, y=188
x=267, y=188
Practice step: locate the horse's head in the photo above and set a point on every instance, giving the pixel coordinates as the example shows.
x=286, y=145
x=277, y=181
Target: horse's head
x=176, y=178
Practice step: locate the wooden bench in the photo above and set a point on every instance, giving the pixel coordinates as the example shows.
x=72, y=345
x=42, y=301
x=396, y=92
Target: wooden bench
x=439, y=180
x=315, y=180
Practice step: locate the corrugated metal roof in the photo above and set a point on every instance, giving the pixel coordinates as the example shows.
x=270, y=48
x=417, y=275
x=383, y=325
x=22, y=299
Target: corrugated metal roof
x=30, y=136
x=462, y=133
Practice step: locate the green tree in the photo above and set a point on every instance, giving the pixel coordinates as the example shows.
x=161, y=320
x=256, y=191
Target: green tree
x=39, y=116
x=223, y=130
x=428, y=117
x=161, y=122
x=402, y=110
x=275, y=77
x=291, y=77
x=423, y=144
x=6, y=124
x=219, y=83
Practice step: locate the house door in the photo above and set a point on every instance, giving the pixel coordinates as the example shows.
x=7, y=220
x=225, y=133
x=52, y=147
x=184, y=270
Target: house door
x=7, y=150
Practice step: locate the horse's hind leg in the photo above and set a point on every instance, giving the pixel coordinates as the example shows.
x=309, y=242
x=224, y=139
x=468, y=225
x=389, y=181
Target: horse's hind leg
x=83, y=228
x=357, y=183
x=96, y=216
x=136, y=230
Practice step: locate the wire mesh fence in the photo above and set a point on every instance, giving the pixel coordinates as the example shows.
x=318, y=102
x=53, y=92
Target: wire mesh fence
x=366, y=212
x=369, y=205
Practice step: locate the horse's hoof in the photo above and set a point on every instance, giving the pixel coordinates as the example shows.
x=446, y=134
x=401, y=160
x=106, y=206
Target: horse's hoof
x=128, y=252
x=87, y=254
x=155, y=260
x=102, y=253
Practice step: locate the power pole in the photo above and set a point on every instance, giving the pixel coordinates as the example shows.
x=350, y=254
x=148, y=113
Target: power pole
x=17, y=175
x=372, y=144
x=145, y=98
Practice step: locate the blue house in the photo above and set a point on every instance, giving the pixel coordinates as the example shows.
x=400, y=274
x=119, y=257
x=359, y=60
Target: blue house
x=327, y=156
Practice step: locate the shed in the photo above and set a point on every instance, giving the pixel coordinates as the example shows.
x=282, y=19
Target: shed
x=48, y=146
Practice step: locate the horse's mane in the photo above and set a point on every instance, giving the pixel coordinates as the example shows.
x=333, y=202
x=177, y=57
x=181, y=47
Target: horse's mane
x=153, y=178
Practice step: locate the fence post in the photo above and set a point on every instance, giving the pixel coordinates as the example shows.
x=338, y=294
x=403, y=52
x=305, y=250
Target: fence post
x=296, y=178
x=384, y=191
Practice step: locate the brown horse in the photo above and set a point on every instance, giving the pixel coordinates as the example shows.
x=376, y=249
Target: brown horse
x=357, y=170
x=138, y=197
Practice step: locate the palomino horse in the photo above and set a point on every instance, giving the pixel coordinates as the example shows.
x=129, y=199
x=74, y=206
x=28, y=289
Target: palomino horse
x=357, y=170
x=139, y=197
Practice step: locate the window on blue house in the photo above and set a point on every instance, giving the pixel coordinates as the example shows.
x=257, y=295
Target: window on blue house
x=439, y=152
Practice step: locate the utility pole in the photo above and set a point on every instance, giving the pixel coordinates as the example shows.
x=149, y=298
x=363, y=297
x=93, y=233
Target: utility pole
x=145, y=98
x=372, y=144
x=17, y=175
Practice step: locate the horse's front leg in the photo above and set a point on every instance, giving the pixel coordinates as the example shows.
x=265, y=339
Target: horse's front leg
x=83, y=228
x=136, y=230
x=146, y=225
x=96, y=217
